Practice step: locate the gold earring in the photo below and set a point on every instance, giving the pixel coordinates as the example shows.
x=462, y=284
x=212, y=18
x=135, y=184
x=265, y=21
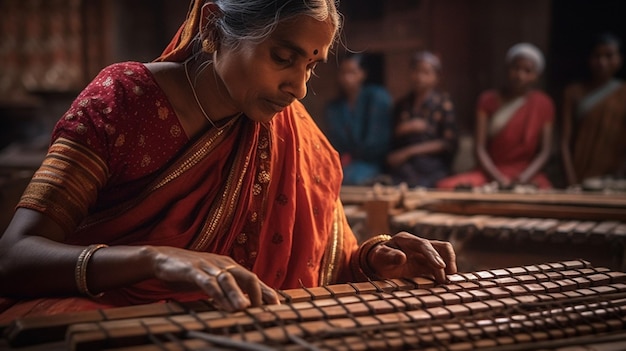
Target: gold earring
x=209, y=44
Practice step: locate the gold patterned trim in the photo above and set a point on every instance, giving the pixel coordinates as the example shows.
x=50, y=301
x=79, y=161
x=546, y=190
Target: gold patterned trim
x=221, y=213
x=194, y=154
x=66, y=184
x=334, y=251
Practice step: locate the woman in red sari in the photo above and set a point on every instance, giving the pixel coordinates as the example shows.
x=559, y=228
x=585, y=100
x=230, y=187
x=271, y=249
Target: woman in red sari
x=513, y=128
x=198, y=175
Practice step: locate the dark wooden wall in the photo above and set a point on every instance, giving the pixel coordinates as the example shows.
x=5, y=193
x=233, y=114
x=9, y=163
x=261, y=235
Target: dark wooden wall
x=470, y=37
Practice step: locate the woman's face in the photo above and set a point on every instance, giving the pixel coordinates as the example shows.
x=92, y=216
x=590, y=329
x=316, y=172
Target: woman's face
x=261, y=79
x=424, y=76
x=351, y=75
x=605, y=61
x=522, y=74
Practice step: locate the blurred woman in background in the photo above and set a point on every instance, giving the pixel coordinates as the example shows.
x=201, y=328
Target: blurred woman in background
x=594, y=117
x=358, y=122
x=424, y=129
x=514, y=127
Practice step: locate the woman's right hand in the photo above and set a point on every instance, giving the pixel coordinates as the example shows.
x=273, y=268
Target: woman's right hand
x=231, y=286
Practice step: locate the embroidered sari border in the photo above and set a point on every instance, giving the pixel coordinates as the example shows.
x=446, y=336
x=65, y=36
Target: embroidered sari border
x=334, y=250
x=66, y=184
x=197, y=151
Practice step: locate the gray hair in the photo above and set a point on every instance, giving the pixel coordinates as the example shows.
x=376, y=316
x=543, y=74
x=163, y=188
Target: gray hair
x=255, y=20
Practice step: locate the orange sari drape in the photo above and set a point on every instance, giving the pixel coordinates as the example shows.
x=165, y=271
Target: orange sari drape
x=274, y=187
x=282, y=179
x=600, y=144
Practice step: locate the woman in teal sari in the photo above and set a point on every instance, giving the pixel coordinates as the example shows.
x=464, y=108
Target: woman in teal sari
x=358, y=123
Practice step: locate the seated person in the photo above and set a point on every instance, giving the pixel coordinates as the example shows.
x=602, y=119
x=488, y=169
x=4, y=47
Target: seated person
x=358, y=124
x=594, y=117
x=198, y=176
x=424, y=133
x=513, y=128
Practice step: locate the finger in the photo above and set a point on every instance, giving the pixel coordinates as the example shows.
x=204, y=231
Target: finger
x=440, y=275
x=269, y=295
x=250, y=284
x=385, y=260
x=232, y=291
x=209, y=284
x=446, y=251
x=423, y=246
x=382, y=258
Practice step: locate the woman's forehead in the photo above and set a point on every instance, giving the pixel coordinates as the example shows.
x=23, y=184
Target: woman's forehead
x=305, y=35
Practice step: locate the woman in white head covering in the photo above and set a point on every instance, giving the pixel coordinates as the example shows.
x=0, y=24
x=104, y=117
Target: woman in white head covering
x=513, y=127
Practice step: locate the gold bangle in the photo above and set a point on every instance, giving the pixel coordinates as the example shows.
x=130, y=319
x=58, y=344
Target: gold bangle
x=80, y=272
x=365, y=249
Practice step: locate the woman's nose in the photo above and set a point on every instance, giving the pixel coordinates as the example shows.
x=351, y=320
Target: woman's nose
x=296, y=84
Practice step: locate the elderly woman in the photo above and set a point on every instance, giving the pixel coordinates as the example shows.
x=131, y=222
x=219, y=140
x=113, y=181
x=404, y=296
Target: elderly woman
x=199, y=175
x=513, y=127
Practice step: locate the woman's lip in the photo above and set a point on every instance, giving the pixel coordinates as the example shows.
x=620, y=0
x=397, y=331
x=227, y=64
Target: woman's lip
x=278, y=106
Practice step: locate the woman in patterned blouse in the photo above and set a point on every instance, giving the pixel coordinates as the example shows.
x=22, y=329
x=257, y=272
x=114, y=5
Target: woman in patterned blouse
x=425, y=133
x=198, y=175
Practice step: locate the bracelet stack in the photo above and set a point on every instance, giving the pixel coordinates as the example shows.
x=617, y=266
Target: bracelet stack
x=80, y=272
x=359, y=261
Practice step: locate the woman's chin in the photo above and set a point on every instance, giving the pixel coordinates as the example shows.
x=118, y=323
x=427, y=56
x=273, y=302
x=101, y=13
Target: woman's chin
x=262, y=117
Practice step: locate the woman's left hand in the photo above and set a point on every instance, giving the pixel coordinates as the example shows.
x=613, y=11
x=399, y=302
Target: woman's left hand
x=407, y=256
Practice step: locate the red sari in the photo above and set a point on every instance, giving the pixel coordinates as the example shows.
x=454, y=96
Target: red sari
x=515, y=146
x=266, y=195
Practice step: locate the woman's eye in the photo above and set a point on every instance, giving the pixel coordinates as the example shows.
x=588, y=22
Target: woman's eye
x=281, y=60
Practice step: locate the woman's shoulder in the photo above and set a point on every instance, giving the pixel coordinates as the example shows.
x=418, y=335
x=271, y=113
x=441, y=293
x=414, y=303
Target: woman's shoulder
x=541, y=97
x=489, y=94
x=120, y=111
x=129, y=71
x=489, y=99
x=377, y=92
x=574, y=91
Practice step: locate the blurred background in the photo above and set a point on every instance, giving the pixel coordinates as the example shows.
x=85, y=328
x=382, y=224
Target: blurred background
x=50, y=49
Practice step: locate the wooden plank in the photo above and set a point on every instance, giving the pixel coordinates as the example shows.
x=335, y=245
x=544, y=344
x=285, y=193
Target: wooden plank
x=537, y=210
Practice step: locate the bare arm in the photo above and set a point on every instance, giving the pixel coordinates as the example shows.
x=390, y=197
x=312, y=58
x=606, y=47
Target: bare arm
x=413, y=125
x=396, y=158
x=483, y=157
x=542, y=157
x=32, y=244
x=566, y=137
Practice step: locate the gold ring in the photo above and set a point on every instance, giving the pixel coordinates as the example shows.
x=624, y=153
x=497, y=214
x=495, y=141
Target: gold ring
x=228, y=268
x=224, y=270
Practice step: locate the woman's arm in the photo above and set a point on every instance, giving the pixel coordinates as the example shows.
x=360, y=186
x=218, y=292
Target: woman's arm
x=398, y=157
x=413, y=125
x=542, y=157
x=566, y=137
x=32, y=243
x=36, y=263
x=482, y=155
